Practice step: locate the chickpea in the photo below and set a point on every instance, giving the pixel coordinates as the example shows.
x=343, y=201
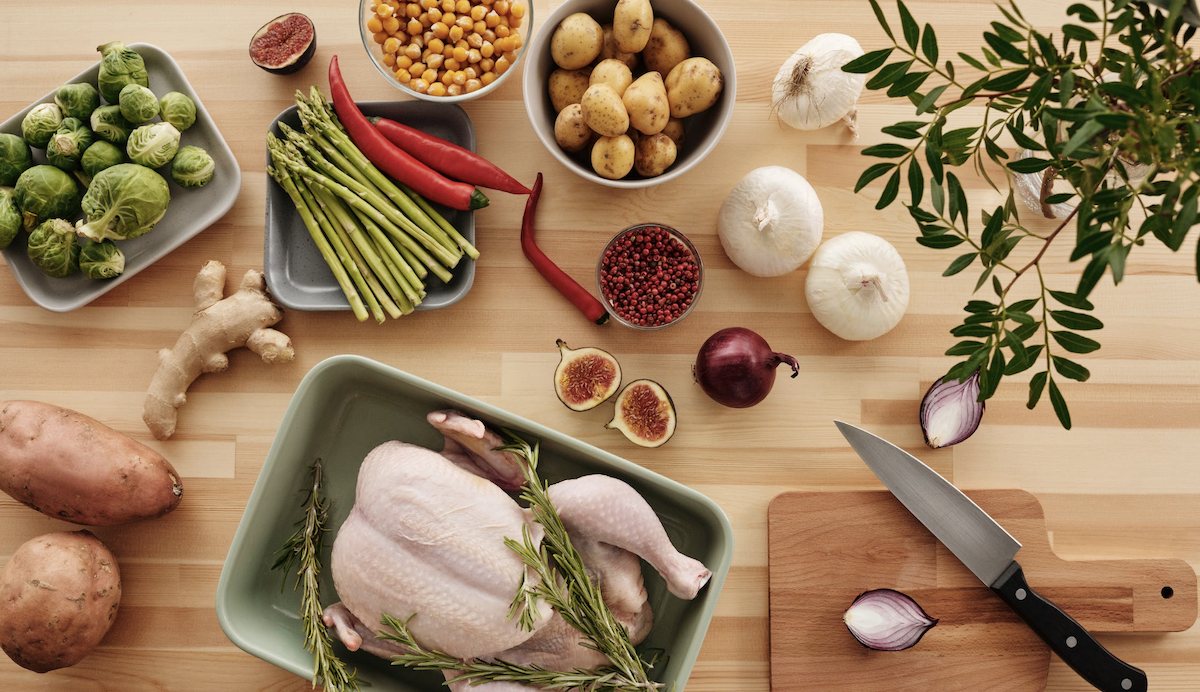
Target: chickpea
x=517, y=10
x=471, y=72
x=460, y=54
x=489, y=36
x=417, y=41
x=487, y=78
x=448, y=77
x=413, y=10
x=448, y=52
x=419, y=85
x=429, y=4
x=403, y=63
x=478, y=12
x=374, y=25
x=503, y=45
x=425, y=20
x=474, y=41
x=472, y=85
x=383, y=10
x=456, y=33
x=391, y=25
x=437, y=89
x=427, y=36
x=491, y=19
x=516, y=41
x=403, y=76
x=380, y=38
x=414, y=27
x=391, y=45
x=465, y=23
x=487, y=50
x=452, y=65
x=462, y=6
x=473, y=57
x=389, y=59
x=454, y=90
x=460, y=77
x=417, y=69
x=429, y=75
x=440, y=30
x=435, y=61
x=514, y=21
x=502, y=31
x=501, y=7
x=503, y=63
x=462, y=44
x=447, y=5
x=435, y=15
x=487, y=65
x=413, y=51
x=449, y=18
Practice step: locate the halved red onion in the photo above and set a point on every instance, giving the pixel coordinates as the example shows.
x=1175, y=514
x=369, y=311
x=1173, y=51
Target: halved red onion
x=950, y=412
x=887, y=620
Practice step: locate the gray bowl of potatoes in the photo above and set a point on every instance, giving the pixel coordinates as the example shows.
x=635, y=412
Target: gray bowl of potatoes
x=626, y=118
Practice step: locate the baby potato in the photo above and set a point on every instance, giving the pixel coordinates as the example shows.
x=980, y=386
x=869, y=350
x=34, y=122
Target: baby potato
x=612, y=157
x=610, y=51
x=632, y=21
x=666, y=48
x=674, y=130
x=693, y=86
x=567, y=87
x=576, y=42
x=653, y=154
x=603, y=111
x=614, y=73
x=646, y=103
x=571, y=131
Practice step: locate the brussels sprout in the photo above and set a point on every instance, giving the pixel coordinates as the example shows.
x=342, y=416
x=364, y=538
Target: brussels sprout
x=40, y=124
x=10, y=217
x=108, y=124
x=101, y=260
x=14, y=158
x=178, y=109
x=67, y=145
x=99, y=156
x=153, y=145
x=53, y=248
x=138, y=104
x=192, y=167
x=124, y=201
x=119, y=66
x=77, y=100
x=45, y=192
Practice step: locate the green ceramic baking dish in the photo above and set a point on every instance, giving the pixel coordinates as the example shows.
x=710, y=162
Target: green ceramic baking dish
x=347, y=405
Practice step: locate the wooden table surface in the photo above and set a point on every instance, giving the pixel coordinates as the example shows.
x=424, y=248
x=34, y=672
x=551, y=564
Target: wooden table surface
x=1124, y=483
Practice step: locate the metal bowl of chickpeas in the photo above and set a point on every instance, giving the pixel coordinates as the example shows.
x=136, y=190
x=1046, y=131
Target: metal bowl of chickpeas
x=445, y=50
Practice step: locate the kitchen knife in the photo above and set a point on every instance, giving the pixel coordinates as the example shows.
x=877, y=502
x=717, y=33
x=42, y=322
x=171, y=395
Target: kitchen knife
x=989, y=551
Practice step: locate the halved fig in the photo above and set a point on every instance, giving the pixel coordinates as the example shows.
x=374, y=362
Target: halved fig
x=585, y=377
x=645, y=414
x=284, y=44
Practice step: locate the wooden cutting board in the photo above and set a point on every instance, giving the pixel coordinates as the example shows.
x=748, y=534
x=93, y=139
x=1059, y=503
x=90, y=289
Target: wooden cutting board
x=825, y=548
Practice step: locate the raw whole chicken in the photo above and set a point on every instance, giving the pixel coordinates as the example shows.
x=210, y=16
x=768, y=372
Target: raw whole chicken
x=426, y=536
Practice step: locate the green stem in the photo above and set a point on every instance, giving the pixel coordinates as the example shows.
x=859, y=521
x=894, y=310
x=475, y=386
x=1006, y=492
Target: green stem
x=337, y=212
x=441, y=221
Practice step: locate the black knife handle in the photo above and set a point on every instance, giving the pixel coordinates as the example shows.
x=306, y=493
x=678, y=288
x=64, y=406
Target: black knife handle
x=1066, y=637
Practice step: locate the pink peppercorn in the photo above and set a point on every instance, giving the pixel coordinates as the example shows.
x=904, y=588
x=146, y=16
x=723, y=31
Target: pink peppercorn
x=649, y=276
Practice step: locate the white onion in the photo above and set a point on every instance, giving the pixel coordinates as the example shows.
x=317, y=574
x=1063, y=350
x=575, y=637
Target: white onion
x=857, y=286
x=771, y=222
x=811, y=91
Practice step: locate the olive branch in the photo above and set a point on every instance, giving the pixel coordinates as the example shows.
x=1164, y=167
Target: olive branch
x=1111, y=107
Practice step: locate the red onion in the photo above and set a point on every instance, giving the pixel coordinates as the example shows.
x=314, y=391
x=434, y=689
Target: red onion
x=950, y=411
x=887, y=620
x=736, y=367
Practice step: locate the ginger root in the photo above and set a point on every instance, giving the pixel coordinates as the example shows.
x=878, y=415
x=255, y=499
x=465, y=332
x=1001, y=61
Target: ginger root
x=219, y=325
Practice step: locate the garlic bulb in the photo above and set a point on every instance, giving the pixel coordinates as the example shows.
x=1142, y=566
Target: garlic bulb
x=771, y=222
x=811, y=91
x=857, y=286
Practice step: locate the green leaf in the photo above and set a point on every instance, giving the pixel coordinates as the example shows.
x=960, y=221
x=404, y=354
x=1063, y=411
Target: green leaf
x=930, y=101
x=888, y=74
x=907, y=84
x=996, y=286
x=994, y=374
x=938, y=242
x=1071, y=369
x=890, y=190
x=1039, y=91
x=916, y=181
x=1060, y=406
x=1079, y=33
x=994, y=150
x=1066, y=87
x=1024, y=305
x=1031, y=164
x=981, y=330
x=1082, y=136
x=902, y=130
x=1091, y=274
x=965, y=348
x=933, y=157
x=872, y=173
x=960, y=263
x=1091, y=244
x=1036, y=385
x=1027, y=330
x=929, y=45
x=972, y=61
x=1072, y=301
x=1023, y=140
x=882, y=19
x=1004, y=49
x=1085, y=13
x=1129, y=94
x=1018, y=366
x=1059, y=198
x=980, y=306
x=887, y=150
x=1075, y=343
x=1007, y=33
x=994, y=222
x=957, y=197
x=868, y=62
x=909, y=25
x=1007, y=81
x=937, y=194
x=1076, y=320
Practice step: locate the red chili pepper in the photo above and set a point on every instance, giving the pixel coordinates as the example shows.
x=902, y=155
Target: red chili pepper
x=449, y=159
x=395, y=162
x=567, y=286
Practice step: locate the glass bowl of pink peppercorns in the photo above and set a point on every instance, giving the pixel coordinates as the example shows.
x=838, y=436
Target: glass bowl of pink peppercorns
x=650, y=276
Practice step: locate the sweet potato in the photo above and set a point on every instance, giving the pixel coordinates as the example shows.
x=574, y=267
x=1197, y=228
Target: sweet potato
x=59, y=594
x=68, y=466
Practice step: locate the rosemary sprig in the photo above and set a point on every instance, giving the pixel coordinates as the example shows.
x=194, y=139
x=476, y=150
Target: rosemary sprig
x=565, y=585
x=303, y=548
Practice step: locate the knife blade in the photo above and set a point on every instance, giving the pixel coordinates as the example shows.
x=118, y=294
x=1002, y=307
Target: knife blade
x=989, y=552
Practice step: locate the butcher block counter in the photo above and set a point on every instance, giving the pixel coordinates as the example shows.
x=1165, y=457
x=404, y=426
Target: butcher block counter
x=1124, y=483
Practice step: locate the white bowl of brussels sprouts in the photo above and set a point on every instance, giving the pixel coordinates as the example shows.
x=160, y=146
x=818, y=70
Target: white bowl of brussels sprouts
x=90, y=165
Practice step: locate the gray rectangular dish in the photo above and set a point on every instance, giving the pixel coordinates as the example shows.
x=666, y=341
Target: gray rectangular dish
x=346, y=406
x=190, y=211
x=297, y=274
